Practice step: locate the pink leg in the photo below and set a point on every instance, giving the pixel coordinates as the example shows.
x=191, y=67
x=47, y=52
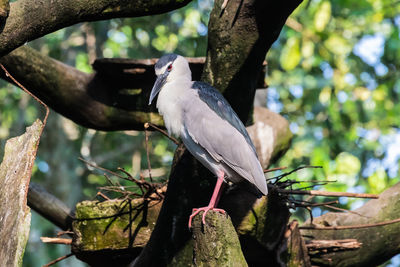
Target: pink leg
x=213, y=202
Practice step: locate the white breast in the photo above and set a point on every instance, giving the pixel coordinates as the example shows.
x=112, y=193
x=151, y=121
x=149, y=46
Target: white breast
x=169, y=105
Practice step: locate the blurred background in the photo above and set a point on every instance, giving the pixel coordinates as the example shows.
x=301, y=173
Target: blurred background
x=333, y=74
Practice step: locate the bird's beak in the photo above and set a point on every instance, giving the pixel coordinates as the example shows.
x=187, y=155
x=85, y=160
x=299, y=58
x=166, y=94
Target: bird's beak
x=157, y=86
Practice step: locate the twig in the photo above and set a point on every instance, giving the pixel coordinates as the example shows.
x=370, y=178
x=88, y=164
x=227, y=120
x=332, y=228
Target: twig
x=326, y=193
x=146, y=139
x=344, y=210
x=102, y=195
x=64, y=233
x=58, y=259
x=295, y=25
x=274, y=169
x=29, y=93
x=342, y=227
x=103, y=169
x=149, y=124
x=318, y=204
x=44, y=120
x=279, y=177
x=56, y=240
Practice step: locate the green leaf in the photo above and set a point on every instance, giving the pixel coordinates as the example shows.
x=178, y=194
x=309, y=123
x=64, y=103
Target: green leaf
x=291, y=55
x=322, y=16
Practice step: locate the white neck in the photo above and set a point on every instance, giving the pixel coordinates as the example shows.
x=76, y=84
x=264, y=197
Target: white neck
x=178, y=81
x=169, y=104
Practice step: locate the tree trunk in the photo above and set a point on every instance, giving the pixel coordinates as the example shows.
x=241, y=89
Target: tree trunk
x=239, y=38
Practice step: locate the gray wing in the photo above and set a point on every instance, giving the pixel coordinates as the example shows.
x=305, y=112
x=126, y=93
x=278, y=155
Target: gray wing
x=217, y=102
x=222, y=141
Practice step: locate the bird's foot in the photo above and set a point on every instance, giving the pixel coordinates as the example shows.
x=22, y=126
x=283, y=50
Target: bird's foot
x=205, y=209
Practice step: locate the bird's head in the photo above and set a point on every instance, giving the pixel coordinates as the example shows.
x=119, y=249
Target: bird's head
x=168, y=68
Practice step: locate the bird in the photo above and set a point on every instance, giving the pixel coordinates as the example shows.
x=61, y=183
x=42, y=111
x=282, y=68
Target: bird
x=208, y=127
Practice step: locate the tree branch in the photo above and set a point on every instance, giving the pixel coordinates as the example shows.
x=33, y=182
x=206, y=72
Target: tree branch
x=29, y=20
x=50, y=207
x=377, y=229
x=102, y=100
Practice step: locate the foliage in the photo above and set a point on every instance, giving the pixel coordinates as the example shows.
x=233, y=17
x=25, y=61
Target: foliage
x=333, y=74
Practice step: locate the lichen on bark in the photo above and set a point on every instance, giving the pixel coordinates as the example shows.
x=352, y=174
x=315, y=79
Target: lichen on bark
x=216, y=242
x=15, y=173
x=121, y=226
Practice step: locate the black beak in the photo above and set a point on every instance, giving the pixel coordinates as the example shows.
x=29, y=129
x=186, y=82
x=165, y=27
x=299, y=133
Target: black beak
x=158, y=85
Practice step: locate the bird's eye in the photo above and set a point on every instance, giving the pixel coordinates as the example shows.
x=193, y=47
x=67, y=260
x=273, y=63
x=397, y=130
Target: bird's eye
x=169, y=68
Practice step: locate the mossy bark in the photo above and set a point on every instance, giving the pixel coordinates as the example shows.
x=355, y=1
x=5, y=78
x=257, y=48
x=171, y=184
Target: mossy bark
x=238, y=39
x=91, y=100
x=216, y=243
x=112, y=232
x=4, y=11
x=297, y=253
x=15, y=173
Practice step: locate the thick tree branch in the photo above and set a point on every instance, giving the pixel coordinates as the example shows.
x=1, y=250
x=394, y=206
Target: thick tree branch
x=378, y=244
x=113, y=98
x=29, y=20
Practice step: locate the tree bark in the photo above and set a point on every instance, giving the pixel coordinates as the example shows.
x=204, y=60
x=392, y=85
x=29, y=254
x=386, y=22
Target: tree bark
x=113, y=232
x=216, y=243
x=15, y=173
x=4, y=11
x=378, y=244
x=101, y=100
x=50, y=207
x=29, y=19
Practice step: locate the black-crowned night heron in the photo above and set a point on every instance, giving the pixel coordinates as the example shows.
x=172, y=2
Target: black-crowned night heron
x=208, y=127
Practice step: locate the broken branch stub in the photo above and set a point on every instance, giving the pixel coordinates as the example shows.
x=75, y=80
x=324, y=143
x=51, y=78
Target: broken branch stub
x=15, y=173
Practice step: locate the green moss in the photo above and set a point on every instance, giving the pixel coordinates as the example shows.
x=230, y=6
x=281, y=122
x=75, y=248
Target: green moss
x=253, y=222
x=184, y=257
x=113, y=224
x=216, y=243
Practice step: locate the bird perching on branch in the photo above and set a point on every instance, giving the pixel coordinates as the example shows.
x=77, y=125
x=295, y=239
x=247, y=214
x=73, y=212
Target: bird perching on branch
x=207, y=125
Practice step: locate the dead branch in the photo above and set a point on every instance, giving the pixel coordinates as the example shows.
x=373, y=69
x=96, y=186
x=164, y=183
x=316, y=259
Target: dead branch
x=149, y=124
x=274, y=169
x=57, y=260
x=333, y=245
x=49, y=206
x=29, y=93
x=326, y=193
x=146, y=139
x=56, y=240
x=149, y=190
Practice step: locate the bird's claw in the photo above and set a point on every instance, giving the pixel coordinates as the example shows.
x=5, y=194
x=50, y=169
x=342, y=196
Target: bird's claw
x=205, y=209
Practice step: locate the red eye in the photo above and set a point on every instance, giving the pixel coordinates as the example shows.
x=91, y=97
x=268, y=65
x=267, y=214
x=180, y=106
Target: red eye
x=169, y=68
